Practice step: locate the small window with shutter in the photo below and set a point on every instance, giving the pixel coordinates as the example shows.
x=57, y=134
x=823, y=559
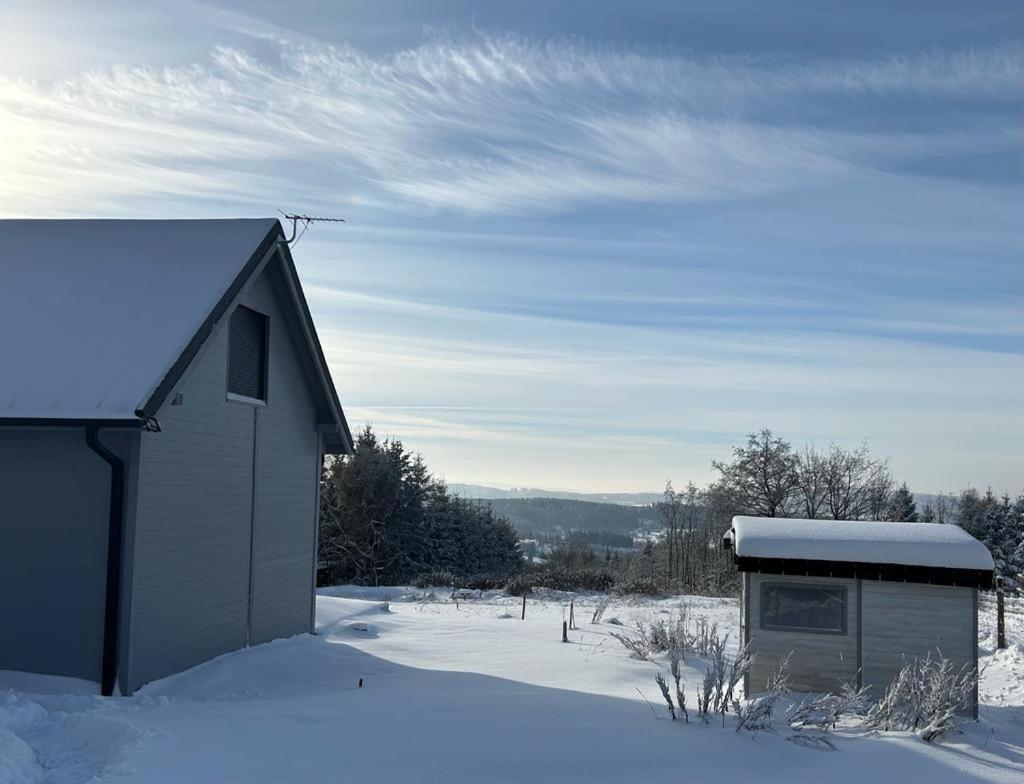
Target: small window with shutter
x=247, y=354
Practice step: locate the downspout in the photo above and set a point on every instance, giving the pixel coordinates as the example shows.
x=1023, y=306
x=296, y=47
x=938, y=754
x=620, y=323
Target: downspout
x=115, y=528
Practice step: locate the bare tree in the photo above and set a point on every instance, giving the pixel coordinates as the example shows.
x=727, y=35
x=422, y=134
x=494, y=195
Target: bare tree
x=857, y=486
x=761, y=479
x=670, y=511
x=812, y=481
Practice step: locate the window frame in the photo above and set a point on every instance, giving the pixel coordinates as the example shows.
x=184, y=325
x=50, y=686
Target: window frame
x=234, y=397
x=771, y=627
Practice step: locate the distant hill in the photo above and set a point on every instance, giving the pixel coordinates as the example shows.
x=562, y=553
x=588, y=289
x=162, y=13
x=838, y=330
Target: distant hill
x=564, y=515
x=483, y=491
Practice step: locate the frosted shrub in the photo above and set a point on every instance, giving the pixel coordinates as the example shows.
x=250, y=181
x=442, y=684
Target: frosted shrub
x=600, y=610
x=738, y=668
x=707, y=688
x=704, y=636
x=823, y=713
x=718, y=688
x=663, y=686
x=926, y=697
x=639, y=644
x=758, y=713
x=675, y=662
x=670, y=634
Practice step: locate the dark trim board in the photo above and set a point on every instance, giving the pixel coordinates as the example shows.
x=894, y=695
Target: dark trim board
x=745, y=624
x=976, y=673
x=900, y=573
x=860, y=635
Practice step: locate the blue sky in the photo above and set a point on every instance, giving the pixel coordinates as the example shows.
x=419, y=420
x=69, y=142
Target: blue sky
x=589, y=245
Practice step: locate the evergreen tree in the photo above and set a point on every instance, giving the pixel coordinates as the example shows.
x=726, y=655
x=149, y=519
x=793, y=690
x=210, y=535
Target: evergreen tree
x=903, y=509
x=384, y=519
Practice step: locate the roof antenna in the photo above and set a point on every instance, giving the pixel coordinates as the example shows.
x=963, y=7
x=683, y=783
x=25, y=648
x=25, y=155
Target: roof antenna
x=306, y=221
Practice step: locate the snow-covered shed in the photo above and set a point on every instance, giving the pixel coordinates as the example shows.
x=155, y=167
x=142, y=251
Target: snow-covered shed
x=165, y=406
x=850, y=601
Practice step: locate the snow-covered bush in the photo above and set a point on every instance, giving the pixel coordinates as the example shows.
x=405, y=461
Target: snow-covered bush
x=758, y=713
x=566, y=579
x=705, y=636
x=435, y=580
x=675, y=667
x=519, y=585
x=823, y=712
x=640, y=586
x=926, y=696
x=670, y=634
x=600, y=609
x=663, y=686
x=638, y=644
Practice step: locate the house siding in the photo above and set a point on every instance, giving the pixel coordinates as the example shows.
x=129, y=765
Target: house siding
x=190, y=583
x=818, y=662
x=202, y=546
x=287, y=472
x=54, y=518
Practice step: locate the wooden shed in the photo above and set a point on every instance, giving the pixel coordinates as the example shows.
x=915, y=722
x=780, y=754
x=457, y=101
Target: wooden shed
x=851, y=601
x=165, y=407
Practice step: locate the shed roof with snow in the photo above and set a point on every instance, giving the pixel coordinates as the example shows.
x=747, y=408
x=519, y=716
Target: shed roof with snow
x=915, y=552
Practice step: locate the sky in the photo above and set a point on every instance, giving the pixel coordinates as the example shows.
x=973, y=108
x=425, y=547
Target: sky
x=588, y=245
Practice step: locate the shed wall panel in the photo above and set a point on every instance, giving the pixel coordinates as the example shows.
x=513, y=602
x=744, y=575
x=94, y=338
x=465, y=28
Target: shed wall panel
x=904, y=621
x=818, y=662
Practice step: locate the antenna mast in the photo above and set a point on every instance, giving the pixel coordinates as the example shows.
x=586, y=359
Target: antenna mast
x=306, y=220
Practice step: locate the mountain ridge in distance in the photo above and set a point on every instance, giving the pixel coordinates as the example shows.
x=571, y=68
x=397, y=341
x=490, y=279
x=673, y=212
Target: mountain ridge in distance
x=485, y=491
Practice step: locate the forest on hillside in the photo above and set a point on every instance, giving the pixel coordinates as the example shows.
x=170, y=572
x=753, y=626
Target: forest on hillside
x=561, y=516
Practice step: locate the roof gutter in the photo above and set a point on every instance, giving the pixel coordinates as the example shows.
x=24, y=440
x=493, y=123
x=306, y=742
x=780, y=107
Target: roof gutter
x=115, y=529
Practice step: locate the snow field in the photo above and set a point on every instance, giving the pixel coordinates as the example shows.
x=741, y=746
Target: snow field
x=461, y=692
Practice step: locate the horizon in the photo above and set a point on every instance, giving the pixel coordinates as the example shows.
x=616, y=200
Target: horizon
x=585, y=250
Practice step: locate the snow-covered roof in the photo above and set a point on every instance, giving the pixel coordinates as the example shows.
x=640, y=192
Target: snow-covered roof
x=94, y=313
x=856, y=541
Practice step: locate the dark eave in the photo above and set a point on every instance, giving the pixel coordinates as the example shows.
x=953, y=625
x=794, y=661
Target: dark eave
x=67, y=422
x=933, y=575
x=343, y=432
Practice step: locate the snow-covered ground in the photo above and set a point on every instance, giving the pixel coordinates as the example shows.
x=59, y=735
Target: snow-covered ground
x=461, y=694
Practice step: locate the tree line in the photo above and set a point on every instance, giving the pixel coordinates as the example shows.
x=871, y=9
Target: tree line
x=767, y=477
x=385, y=520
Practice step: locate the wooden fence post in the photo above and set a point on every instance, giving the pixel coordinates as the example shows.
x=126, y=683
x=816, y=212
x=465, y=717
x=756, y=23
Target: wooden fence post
x=572, y=614
x=524, y=607
x=1000, y=610
x=565, y=632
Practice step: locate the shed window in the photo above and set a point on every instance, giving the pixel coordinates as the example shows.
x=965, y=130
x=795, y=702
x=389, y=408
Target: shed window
x=247, y=354
x=799, y=607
